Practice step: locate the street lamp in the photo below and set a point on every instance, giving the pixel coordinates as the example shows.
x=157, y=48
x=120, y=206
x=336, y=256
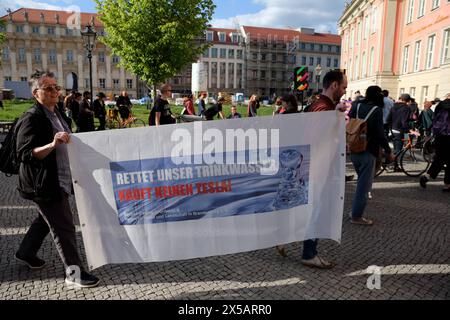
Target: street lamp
x=318, y=74
x=89, y=37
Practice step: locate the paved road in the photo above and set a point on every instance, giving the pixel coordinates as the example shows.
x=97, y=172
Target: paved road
x=410, y=241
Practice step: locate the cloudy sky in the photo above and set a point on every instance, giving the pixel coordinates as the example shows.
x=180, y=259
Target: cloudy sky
x=319, y=14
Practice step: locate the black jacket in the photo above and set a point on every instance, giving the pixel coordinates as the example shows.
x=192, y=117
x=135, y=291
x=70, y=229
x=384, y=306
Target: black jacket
x=38, y=179
x=375, y=130
x=399, y=117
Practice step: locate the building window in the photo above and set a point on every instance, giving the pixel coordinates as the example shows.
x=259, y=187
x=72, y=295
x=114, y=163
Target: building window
x=69, y=56
x=5, y=53
x=374, y=20
x=213, y=52
x=35, y=30
x=115, y=59
x=412, y=92
x=311, y=46
x=21, y=54
x=7, y=78
x=364, y=65
x=102, y=83
x=303, y=61
x=129, y=83
x=352, y=37
x=421, y=8
x=222, y=37
x=417, y=56
x=52, y=55
x=336, y=63
x=356, y=68
x=338, y=49
x=424, y=93
x=206, y=53
x=319, y=60
x=430, y=52
x=263, y=74
x=274, y=57
x=435, y=4
x=223, y=53
x=69, y=32
x=405, y=59
x=371, y=60
x=23, y=79
x=116, y=83
x=51, y=30
x=37, y=54
x=303, y=46
x=235, y=38
x=239, y=54
x=2, y=28
x=366, y=27
x=311, y=61
x=274, y=75
x=328, y=62
x=87, y=83
x=19, y=29
x=101, y=56
x=263, y=57
x=209, y=36
x=320, y=47
x=402, y=91
x=410, y=14
x=231, y=54
x=446, y=47
x=358, y=36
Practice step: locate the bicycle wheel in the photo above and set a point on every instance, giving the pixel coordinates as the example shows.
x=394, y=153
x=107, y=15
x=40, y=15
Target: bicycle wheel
x=136, y=123
x=413, y=163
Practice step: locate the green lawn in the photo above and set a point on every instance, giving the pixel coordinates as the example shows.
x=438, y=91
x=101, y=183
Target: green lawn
x=13, y=109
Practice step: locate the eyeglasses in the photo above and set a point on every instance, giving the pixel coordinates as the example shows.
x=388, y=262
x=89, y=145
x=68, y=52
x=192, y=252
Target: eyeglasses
x=51, y=88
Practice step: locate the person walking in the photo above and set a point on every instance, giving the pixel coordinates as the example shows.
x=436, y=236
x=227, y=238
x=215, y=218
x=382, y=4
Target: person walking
x=370, y=109
x=45, y=179
x=441, y=130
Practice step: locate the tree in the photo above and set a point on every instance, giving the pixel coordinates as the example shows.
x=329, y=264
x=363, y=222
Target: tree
x=2, y=37
x=155, y=39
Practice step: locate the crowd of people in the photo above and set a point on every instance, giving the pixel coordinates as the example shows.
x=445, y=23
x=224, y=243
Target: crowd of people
x=46, y=127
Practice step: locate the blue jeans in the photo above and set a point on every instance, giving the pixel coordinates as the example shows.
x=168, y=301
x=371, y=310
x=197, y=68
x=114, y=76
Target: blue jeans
x=309, y=249
x=398, y=143
x=364, y=164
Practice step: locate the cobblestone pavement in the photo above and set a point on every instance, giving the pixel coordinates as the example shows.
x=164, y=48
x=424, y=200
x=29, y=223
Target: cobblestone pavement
x=410, y=242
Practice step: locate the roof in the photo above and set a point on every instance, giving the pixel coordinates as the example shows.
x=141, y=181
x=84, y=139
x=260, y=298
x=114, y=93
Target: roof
x=227, y=32
x=34, y=16
x=291, y=34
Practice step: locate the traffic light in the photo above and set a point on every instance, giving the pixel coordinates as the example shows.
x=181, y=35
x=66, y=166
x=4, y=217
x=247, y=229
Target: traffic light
x=301, y=77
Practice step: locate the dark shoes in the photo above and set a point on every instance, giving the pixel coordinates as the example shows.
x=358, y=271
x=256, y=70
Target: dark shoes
x=349, y=178
x=85, y=280
x=423, y=181
x=34, y=263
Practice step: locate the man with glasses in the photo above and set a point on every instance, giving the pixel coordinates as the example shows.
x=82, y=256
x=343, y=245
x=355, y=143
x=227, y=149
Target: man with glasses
x=161, y=113
x=45, y=178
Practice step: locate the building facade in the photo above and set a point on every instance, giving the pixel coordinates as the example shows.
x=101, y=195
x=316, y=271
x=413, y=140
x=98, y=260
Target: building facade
x=223, y=61
x=272, y=54
x=400, y=45
x=42, y=39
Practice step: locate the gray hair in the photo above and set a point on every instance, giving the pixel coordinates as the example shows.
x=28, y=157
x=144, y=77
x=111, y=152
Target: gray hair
x=36, y=79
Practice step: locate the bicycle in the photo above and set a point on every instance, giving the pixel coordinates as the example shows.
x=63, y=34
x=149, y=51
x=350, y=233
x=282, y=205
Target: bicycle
x=411, y=160
x=113, y=121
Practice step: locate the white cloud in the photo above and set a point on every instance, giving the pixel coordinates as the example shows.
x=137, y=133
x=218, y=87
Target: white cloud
x=322, y=15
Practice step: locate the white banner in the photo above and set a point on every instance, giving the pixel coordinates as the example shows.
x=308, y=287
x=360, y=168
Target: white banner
x=209, y=188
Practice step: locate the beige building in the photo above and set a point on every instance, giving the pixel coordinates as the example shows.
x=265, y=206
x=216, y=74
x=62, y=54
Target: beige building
x=41, y=39
x=400, y=45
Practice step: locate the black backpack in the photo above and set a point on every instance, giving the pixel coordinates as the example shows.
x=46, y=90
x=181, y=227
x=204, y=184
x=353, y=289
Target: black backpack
x=9, y=163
